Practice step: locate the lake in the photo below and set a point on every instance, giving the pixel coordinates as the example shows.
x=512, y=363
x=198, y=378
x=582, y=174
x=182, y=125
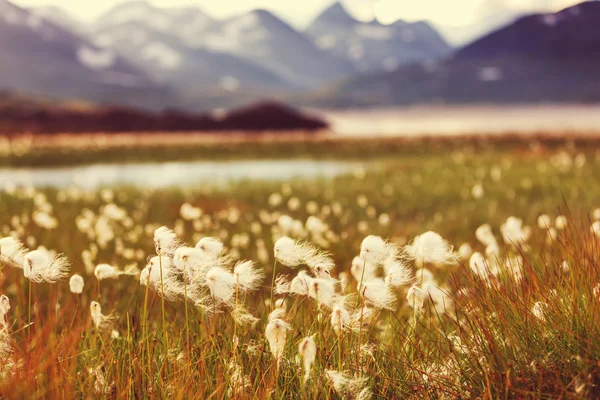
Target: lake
x=159, y=175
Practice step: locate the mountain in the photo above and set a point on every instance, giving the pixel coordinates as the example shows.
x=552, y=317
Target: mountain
x=264, y=39
x=186, y=23
x=166, y=58
x=59, y=17
x=373, y=46
x=41, y=57
x=539, y=58
x=185, y=47
x=461, y=35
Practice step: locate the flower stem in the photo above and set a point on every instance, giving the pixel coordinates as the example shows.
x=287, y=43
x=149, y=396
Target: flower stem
x=360, y=329
x=273, y=283
x=162, y=298
x=187, y=328
x=29, y=313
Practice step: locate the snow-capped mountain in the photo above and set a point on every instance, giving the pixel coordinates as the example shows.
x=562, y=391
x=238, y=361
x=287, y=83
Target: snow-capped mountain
x=59, y=17
x=187, y=23
x=41, y=57
x=549, y=57
x=185, y=46
x=373, y=46
x=264, y=39
x=169, y=60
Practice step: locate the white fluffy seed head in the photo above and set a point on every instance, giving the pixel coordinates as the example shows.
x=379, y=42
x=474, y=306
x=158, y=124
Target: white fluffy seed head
x=397, y=274
x=76, y=284
x=416, y=297
x=288, y=252
x=301, y=284
x=12, y=252
x=358, y=264
x=561, y=222
x=323, y=291
x=41, y=266
x=101, y=322
x=430, y=247
x=513, y=231
x=340, y=318
x=276, y=333
x=106, y=271
x=464, y=251
x=377, y=294
x=478, y=265
x=485, y=235
x=544, y=221
x=308, y=352
x=211, y=246
x=247, y=276
x=344, y=385
x=221, y=284
x=153, y=269
x=374, y=249
x=4, y=308
x=165, y=241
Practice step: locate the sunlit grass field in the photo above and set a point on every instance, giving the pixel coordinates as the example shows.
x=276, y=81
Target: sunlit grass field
x=519, y=320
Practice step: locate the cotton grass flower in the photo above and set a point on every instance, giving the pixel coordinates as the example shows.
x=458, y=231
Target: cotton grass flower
x=544, y=221
x=101, y=322
x=358, y=264
x=485, y=235
x=514, y=233
x=561, y=222
x=41, y=266
x=440, y=298
x=375, y=250
x=106, y=271
x=345, y=386
x=430, y=247
x=247, y=277
x=12, y=252
x=377, y=294
x=464, y=251
x=340, y=318
x=76, y=284
x=292, y=254
x=308, y=352
x=221, y=284
x=240, y=383
x=165, y=241
x=478, y=265
x=595, y=228
x=4, y=308
x=416, y=298
x=276, y=334
x=211, y=246
x=397, y=274
x=323, y=291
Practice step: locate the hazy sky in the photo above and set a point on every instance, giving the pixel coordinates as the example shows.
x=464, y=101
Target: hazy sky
x=300, y=12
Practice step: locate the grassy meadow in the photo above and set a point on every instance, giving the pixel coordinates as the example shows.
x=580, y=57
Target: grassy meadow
x=509, y=314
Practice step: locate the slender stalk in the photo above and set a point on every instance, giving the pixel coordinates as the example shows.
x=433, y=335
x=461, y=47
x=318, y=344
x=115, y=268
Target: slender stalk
x=273, y=283
x=233, y=343
x=29, y=312
x=145, y=322
x=162, y=302
x=340, y=344
x=185, y=302
x=360, y=329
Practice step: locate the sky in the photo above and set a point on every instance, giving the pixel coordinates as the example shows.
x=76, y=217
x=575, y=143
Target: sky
x=301, y=12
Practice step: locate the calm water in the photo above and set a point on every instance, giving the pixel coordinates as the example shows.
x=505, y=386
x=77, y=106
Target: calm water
x=461, y=120
x=157, y=175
